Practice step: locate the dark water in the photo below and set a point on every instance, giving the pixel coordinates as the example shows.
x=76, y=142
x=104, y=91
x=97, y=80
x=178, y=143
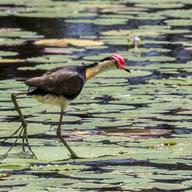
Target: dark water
x=57, y=28
x=160, y=161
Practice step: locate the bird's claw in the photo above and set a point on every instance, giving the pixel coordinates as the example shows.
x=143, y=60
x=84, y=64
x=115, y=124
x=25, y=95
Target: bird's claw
x=3, y=156
x=74, y=156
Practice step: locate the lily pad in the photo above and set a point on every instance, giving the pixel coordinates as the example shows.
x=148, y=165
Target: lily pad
x=7, y=53
x=173, y=81
x=18, y=33
x=12, y=60
x=66, y=42
x=160, y=5
x=11, y=42
x=133, y=130
x=180, y=22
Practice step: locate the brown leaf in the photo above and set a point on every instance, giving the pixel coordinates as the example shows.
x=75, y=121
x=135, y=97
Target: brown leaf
x=132, y=133
x=66, y=42
x=137, y=133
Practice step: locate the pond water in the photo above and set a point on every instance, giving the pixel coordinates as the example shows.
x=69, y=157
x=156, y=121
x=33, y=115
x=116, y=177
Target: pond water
x=133, y=130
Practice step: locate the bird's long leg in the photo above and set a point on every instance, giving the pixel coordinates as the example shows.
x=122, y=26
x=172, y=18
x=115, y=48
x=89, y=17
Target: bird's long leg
x=13, y=98
x=23, y=123
x=27, y=142
x=23, y=142
x=73, y=155
x=5, y=155
x=23, y=126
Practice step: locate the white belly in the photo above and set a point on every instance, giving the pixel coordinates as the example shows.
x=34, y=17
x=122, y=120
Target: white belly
x=53, y=100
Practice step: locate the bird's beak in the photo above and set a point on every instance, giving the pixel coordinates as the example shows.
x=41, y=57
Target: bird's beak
x=126, y=69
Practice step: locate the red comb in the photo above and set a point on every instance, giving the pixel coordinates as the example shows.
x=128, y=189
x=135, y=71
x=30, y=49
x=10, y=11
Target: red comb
x=120, y=60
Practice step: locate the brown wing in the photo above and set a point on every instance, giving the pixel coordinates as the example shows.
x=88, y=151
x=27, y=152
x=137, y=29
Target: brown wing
x=60, y=82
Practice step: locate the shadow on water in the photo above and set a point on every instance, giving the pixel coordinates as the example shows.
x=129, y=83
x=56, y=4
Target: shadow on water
x=135, y=121
x=58, y=28
x=48, y=27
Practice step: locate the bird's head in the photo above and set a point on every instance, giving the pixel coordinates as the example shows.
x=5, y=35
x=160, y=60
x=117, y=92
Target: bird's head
x=120, y=62
x=113, y=62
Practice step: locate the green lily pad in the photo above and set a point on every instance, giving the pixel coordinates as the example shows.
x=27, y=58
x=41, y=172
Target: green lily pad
x=17, y=33
x=180, y=22
x=7, y=53
x=12, y=61
x=11, y=42
x=133, y=130
x=160, y=5
x=173, y=81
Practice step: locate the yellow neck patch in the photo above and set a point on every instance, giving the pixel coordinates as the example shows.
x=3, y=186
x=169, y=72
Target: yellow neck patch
x=99, y=68
x=91, y=72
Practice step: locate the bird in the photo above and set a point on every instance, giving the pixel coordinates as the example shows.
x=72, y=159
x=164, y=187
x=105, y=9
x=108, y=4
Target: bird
x=60, y=86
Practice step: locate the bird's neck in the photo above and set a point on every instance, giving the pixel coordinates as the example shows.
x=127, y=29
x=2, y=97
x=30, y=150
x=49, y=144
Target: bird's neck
x=98, y=68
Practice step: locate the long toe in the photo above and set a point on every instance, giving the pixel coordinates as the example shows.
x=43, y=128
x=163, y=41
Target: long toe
x=3, y=156
x=74, y=156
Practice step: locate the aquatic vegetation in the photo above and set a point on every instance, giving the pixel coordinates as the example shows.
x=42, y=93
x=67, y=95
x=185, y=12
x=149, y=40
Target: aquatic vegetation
x=136, y=127
x=65, y=42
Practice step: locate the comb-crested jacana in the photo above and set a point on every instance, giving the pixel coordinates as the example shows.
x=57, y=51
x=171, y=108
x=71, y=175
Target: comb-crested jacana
x=59, y=87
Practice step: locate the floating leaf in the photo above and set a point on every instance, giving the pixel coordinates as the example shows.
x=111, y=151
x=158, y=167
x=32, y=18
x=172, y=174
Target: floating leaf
x=4, y=176
x=179, y=22
x=11, y=42
x=164, y=145
x=133, y=130
x=12, y=60
x=173, y=81
x=129, y=32
x=7, y=53
x=58, y=50
x=66, y=42
x=18, y=33
x=136, y=133
x=160, y=5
